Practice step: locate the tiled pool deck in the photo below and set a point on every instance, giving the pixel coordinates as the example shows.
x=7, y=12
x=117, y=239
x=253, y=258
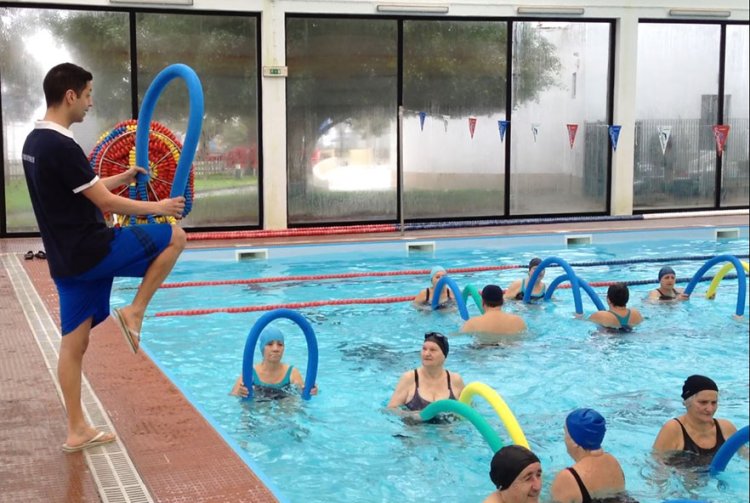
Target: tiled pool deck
x=166, y=451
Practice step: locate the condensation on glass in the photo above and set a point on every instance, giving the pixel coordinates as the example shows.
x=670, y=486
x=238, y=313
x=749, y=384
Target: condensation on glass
x=341, y=120
x=559, y=118
x=735, y=189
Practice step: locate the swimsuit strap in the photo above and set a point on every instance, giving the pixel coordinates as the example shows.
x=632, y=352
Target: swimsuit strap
x=416, y=379
x=585, y=496
x=427, y=294
x=451, y=395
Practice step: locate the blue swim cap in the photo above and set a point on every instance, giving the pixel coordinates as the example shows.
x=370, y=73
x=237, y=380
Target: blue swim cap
x=269, y=334
x=586, y=427
x=435, y=270
x=666, y=270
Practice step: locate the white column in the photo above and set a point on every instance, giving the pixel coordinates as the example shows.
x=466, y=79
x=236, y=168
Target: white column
x=274, y=117
x=626, y=62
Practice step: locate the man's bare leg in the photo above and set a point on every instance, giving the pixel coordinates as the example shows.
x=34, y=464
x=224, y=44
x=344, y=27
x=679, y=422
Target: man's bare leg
x=72, y=348
x=152, y=280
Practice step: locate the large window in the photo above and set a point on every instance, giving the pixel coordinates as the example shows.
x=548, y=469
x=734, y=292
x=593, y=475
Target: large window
x=454, y=97
x=34, y=41
x=676, y=109
x=735, y=166
x=221, y=50
x=341, y=120
x=560, y=118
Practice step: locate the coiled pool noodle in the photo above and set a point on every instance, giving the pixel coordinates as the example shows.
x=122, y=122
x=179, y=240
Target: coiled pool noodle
x=741, y=279
x=728, y=449
x=501, y=408
x=456, y=407
x=193, y=133
x=445, y=280
x=252, y=341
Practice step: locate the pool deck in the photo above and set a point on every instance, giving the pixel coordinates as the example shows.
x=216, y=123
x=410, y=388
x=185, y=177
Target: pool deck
x=166, y=451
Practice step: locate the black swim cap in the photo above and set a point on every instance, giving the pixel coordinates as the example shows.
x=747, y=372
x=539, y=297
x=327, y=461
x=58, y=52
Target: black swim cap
x=697, y=383
x=440, y=340
x=508, y=463
x=535, y=262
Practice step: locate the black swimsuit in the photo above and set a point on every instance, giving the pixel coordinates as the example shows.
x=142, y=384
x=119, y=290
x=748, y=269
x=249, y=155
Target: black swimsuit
x=447, y=303
x=691, y=446
x=419, y=403
x=586, y=497
x=666, y=297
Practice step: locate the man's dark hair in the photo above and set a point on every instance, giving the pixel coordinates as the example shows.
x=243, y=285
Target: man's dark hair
x=63, y=77
x=618, y=294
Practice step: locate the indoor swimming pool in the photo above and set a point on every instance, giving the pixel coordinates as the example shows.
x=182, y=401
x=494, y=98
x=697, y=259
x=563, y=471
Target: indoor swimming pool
x=344, y=445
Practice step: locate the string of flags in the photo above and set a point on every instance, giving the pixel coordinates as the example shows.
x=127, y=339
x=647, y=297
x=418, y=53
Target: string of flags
x=721, y=131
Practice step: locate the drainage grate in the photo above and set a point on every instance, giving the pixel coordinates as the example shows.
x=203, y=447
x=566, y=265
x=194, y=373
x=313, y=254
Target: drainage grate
x=727, y=234
x=112, y=469
x=577, y=240
x=420, y=247
x=251, y=254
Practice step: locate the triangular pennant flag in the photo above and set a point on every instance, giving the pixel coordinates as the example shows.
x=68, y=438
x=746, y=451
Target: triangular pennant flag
x=472, y=125
x=721, y=132
x=572, y=130
x=502, y=126
x=445, y=122
x=422, y=115
x=535, y=129
x=614, y=135
x=664, y=133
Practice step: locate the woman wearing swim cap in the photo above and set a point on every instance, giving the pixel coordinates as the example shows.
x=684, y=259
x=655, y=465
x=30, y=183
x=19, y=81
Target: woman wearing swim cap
x=517, y=289
x=666, y=290
x=424, y=298
x=596, y=475
x=420, y=387
x=696, y=431
x=271, y=377
x=517, y=474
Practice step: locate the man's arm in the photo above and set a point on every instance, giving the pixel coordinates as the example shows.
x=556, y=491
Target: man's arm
x=125, y=178
x=108, y=202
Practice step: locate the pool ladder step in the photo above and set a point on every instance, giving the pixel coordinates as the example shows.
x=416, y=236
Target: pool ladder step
x=577, y=240
x=251, y=254
x=420, y=247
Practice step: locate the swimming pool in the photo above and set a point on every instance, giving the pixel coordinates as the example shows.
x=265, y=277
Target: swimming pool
x=343, y=446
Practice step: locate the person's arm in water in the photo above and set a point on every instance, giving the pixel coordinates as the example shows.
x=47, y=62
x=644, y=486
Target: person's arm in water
x=239, y=388
x=421, y=298
x=605, y=319
x=296, y=379
x=512, y=291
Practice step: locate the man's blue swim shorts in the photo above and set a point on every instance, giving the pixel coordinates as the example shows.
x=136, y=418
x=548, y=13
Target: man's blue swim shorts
x=131, y=252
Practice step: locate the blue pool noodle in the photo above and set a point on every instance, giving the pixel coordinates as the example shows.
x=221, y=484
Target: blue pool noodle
x=445, y=280
x=252, y=341
x=571, y=276
x=195, y=122
x=728, y=449
x=582, y=284
x=741, y=279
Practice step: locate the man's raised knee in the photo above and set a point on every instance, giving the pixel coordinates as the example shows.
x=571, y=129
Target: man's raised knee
x=179, y=238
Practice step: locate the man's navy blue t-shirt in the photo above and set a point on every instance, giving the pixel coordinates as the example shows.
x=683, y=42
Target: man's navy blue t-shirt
x=73, y=230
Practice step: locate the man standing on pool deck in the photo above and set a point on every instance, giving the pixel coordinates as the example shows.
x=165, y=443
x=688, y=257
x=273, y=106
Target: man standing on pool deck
x=84, y=255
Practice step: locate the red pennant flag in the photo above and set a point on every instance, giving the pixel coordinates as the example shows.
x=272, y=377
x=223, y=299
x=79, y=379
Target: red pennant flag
x=721, y=132
x=572, y=130
x=472, y=125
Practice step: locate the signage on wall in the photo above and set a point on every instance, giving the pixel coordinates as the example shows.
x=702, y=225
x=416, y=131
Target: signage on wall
x=422, y=116
x=275, y=71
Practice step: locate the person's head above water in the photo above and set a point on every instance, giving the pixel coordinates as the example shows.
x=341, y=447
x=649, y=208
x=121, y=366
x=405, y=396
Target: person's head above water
x=515, y=469
x=440, y=340
x=697, y=383
x=269, y=335
x=586, y=427
x=618, y=294
x=492, y=296
x=664, y=271
x=435, y=270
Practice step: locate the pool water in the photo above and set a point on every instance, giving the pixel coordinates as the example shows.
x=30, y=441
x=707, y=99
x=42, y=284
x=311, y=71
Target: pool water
x=343, y=445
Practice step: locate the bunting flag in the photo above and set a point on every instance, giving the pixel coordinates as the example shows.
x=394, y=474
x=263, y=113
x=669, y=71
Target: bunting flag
x=535, y=129
x=422, y=115
x=472, y=125
x=445, y=122
x=502, y=126
x=614, y=135
x=664, y=133
x=721, y=132
x=572, y=130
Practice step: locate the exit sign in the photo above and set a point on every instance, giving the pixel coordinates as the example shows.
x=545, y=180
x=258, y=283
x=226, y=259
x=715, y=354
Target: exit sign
x=274, y=71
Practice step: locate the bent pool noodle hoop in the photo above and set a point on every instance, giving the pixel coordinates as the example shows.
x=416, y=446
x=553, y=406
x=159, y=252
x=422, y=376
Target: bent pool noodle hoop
x=549, y=261
x=456, y=407
x=252, y=341
x=195, y=122
x=445, y=280
x=582, y=284
x=711, y=292
x=471, y=290
x=741, y=279
x=728, y=449
x=501, y=408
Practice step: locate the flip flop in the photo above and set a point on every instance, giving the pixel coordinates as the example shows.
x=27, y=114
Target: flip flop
x=132, y=337
x=41, y=255
x=98, y=439
x=29, y=255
